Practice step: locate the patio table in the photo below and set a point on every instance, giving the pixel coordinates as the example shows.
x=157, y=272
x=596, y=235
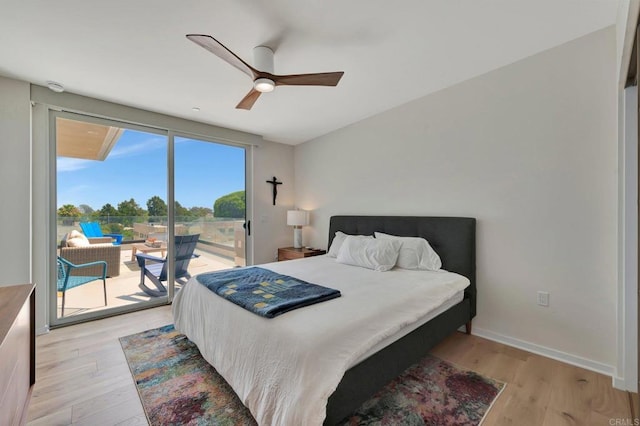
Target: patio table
x=144, y=248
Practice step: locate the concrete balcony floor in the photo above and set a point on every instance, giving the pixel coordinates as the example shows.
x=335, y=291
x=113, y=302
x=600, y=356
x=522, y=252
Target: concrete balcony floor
x=123, y=289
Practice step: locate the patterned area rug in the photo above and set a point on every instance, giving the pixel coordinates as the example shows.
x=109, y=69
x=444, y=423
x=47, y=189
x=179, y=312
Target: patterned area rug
x=178, y=387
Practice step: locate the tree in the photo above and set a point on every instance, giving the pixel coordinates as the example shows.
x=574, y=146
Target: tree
x=200, y=211
x=68, y=213
x=231, y=205
x=69, y=210
x=108, y=210
x=128, y=211
x=156, y=207
x=130, y=208
x=181, y=211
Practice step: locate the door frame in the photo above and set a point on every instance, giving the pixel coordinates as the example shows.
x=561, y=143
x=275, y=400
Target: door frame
x=44, y=100
x=54, y=321
x=51, y=235
x=248, y=179
x=627, y=376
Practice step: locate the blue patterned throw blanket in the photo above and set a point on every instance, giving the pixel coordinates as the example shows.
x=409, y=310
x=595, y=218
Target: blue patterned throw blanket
x=265, y=292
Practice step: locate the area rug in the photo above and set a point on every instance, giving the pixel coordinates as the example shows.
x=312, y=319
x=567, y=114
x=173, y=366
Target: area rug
x=178, y=387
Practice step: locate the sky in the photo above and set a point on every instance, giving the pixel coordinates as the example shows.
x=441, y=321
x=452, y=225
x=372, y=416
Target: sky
x=136, y=168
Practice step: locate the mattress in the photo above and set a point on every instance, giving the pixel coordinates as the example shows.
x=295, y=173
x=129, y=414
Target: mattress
x=297, y=359
x=449, y=303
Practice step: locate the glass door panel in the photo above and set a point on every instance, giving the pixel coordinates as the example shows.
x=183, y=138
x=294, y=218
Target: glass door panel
x=210, y=202
x=110, y=180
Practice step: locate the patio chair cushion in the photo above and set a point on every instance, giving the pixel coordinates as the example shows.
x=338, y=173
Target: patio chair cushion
x=77, y=239
x=78, y=242
x=75, y=234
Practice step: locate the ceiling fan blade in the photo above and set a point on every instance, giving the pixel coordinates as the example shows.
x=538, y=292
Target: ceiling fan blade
x=248, y=101
x=318, y=79
x=221, y=51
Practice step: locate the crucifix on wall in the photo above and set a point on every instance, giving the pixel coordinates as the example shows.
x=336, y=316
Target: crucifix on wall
x=275, y=184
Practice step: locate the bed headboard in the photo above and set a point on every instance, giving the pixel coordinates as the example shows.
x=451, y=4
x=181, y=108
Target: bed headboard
x=453, y=238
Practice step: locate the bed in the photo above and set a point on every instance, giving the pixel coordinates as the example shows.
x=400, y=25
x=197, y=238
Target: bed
x=324, y=376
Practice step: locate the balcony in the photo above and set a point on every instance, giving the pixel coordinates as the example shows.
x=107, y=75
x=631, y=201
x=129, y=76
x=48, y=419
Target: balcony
x=220, y=246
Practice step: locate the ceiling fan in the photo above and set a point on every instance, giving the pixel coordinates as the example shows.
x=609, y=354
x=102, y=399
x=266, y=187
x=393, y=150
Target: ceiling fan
x=264, y=80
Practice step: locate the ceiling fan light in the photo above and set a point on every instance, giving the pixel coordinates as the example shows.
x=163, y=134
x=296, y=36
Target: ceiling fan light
x=264, y=85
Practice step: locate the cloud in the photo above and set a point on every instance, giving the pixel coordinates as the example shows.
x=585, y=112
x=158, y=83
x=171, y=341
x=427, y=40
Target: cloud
x=143, y=146
x=78, y=189
x=66, y=164
x=75, y=195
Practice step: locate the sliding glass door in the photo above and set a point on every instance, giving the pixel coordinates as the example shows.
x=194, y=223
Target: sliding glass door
x=210, y=203
x=106, y=175
x=118, y=238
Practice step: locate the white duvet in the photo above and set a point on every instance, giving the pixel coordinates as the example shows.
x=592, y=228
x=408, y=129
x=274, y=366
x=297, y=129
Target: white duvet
x=284, y=369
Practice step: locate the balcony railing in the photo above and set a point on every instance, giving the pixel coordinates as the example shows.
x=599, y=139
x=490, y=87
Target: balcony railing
x=220, y=246
x=224, y=236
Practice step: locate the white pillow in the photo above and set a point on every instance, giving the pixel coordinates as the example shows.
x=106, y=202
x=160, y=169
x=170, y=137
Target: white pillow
x=415, y=253
x=75, y=234
x=339, y=239
x=379, y=255
x=78, y=242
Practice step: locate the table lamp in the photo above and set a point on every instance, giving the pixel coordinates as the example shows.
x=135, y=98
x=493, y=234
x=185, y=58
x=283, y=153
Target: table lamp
x=297, y=219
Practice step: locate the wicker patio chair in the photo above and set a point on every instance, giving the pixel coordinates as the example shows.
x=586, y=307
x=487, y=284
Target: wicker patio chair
x=98, y=249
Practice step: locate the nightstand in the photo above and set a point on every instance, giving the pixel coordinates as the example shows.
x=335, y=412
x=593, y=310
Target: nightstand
x=288, y=253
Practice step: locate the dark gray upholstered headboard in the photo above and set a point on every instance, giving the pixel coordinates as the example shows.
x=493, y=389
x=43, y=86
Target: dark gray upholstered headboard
x=453, y=238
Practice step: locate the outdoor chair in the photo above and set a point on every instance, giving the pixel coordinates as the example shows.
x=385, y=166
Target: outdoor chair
x=93, y=230
x=78, y=249
x=155, y=268
x=66, y=281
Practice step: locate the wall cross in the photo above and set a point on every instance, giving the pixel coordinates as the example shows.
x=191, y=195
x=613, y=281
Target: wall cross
x=275, y=184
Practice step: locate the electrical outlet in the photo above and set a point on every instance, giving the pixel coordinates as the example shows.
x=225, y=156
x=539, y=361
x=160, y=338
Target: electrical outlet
x=543, y=298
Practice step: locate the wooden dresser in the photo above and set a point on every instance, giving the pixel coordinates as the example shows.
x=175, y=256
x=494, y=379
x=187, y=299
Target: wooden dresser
x=17, y=352
x=289, y=253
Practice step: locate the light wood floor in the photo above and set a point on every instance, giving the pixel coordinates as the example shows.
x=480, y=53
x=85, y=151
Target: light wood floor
x=82, y=378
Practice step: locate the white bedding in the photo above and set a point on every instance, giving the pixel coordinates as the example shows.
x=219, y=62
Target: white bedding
x=284, y=369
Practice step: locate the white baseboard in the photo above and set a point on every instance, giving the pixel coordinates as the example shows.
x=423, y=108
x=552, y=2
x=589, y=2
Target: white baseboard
x=620, y=383
x=624, y=384
x=578, y=361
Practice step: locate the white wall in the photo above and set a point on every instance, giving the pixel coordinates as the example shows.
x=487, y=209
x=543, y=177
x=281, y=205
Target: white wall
x=15, y=182
x=269, y=227
x=530, y=150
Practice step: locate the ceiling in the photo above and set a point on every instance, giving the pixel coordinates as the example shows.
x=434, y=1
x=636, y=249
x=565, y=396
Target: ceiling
x=136, y=53
x=88, y=141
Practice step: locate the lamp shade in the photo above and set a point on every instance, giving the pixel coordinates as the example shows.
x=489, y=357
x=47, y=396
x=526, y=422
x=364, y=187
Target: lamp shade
x=297, y=218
